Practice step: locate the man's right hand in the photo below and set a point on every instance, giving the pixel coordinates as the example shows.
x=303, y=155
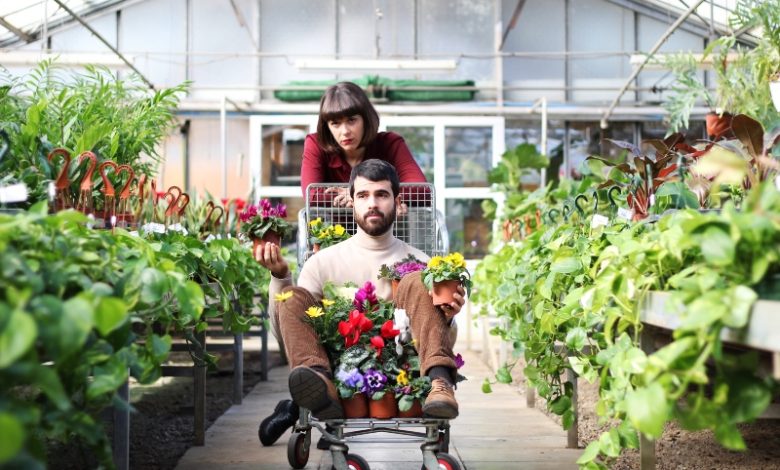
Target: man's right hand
x=269, y=255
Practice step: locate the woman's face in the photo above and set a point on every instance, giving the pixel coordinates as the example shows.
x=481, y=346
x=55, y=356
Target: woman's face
x=347, y=131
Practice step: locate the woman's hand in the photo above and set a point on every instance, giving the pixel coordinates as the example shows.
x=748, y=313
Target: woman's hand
x=341, y=197
x=270, y=257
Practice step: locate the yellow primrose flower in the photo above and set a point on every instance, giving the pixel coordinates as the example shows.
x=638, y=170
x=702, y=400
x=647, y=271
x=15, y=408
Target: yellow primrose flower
x=323, y=234
x=456, y=259
x=283, y=296
x=338, y=230
x=314, y=312
x=315, y=222
x=327, y=302
x=435, y=261
x=402, y=379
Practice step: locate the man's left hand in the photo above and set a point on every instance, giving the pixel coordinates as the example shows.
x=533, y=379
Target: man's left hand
x=453, y=308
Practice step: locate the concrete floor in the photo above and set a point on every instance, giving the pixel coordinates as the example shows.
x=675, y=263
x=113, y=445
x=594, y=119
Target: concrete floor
x=494, y=431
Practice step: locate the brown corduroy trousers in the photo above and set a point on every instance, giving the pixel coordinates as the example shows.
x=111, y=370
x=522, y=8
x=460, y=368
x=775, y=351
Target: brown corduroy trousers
x=430, y=328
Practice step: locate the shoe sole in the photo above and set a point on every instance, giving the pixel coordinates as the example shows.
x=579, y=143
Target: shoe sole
x=440, y=410
x=309, y=390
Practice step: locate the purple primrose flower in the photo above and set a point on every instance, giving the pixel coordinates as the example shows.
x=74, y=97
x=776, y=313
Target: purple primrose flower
x=375, y=381
x=351, y=378
x=459, y=362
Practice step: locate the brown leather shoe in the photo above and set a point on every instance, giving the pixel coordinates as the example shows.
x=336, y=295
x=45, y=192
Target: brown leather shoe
x=440, y=402
x=314, y=391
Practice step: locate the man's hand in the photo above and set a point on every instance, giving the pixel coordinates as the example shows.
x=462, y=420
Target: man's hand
x=341, y=198
x=453, y=308
x=270, y=257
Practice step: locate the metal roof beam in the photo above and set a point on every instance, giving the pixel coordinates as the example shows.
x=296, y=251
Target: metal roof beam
x=18, y=32
x=672, y=28
x=512, y=22
x=105, y=42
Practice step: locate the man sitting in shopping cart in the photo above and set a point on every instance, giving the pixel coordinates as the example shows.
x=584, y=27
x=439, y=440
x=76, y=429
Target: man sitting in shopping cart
x=374, y=187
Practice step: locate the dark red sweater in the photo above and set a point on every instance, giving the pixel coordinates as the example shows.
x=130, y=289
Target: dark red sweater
x=319, y=167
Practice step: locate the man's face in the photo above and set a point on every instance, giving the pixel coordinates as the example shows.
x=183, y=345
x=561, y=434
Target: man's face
x=374, y=206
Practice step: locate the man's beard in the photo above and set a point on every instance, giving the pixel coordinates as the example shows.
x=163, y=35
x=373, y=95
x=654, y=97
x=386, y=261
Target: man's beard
x=376, y=227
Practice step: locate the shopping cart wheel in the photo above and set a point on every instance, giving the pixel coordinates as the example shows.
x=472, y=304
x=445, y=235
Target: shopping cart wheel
x=298, y=449
x=446, y=462
x=355, y=462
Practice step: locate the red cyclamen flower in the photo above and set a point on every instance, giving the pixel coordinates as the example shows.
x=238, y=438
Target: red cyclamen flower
x=377, y=343
x=387, y=331
x=354, y=327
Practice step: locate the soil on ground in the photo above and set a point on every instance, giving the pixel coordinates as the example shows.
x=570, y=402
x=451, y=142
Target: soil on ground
x=161, y=428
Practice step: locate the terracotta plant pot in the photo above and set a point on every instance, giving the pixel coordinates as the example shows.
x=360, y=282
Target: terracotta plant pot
x=356, y=406
x=384, y=408
x=315, y=248
x=718, y=126
x=443, y=291
x=269, y=237
x=394, y=284
x=414, y=412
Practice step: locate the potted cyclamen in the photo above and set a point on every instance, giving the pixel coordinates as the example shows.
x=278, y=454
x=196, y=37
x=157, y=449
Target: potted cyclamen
x=350, y=384
x=399, y=269
x=443, y=275
x=323, y=234
x=265, y=223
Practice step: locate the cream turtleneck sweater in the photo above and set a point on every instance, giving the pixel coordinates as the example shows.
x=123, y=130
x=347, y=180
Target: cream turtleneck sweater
x=357, y=260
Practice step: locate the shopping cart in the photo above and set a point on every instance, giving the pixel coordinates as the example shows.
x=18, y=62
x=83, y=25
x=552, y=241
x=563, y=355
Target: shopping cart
x=423, y=227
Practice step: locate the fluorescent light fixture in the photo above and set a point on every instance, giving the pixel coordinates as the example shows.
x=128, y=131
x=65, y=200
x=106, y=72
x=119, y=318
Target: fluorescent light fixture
x=384, y=65
x=79, y=59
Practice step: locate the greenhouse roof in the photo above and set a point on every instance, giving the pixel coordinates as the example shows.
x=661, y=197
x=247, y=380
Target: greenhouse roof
x=21, y=21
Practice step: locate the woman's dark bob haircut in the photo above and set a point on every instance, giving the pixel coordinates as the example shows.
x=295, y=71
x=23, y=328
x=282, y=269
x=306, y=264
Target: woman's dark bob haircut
x=343, y=100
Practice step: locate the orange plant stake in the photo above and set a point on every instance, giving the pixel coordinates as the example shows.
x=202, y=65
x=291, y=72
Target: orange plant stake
x=61, y=195
x=124, y=194
x=109, y=207
x=85, y=193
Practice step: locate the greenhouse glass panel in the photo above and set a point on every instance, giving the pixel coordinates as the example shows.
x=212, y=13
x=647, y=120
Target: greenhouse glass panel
x=469, y=155
x=468, y=229
x=282, y=154
x=420, y=143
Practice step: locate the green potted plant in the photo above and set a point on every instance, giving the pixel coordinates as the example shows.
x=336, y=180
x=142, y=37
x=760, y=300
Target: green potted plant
x=444, y=274
x=265, y=223
x=323, y=234
x=411, y=393
x=351, y=385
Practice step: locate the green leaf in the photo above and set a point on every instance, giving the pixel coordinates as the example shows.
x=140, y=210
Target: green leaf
x=503, y=375
x=566, y=265
x=159, y=346
x=75, y=324
x=191, y=301
x=154, y=284
x=647, y=409
x=748, y=397
x=717, y=246
x=576, y=339
x=728, y=435
x=13, y=436
x=560, y=405
x=741, y=300
x=486, y=388
x=590, y=453
x=110, y=314
x=609, y=443
x=17, y=336
x=107, y=378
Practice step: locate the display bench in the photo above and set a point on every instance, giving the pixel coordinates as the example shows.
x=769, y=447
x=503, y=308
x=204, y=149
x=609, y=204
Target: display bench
x=762, y=334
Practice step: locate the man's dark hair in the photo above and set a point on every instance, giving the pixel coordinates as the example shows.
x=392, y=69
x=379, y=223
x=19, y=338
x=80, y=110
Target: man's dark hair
x=375, y=170
x=343, y=100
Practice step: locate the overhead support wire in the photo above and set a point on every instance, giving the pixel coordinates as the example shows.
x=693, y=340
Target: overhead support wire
x=650, y=54
x=512, y=22
x=105, y=42
x=243, y=23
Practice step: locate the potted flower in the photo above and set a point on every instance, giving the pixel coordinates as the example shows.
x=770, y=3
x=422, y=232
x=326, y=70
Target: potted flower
x=444, y=274
x=382, y=404
x=323, y=234
x=399, y=269
x=265, y=223
x=411, y=393
x=351, y=384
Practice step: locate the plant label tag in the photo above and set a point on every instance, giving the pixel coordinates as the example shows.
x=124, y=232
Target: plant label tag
x=625, y=214
x=598, y=220
x=209, y=238
x=13, y=193
x=777, y=181
x=652, y=200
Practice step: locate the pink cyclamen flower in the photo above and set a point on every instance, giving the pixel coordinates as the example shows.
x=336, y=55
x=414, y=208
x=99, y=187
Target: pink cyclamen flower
x=367, y=293
x=249, y=213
